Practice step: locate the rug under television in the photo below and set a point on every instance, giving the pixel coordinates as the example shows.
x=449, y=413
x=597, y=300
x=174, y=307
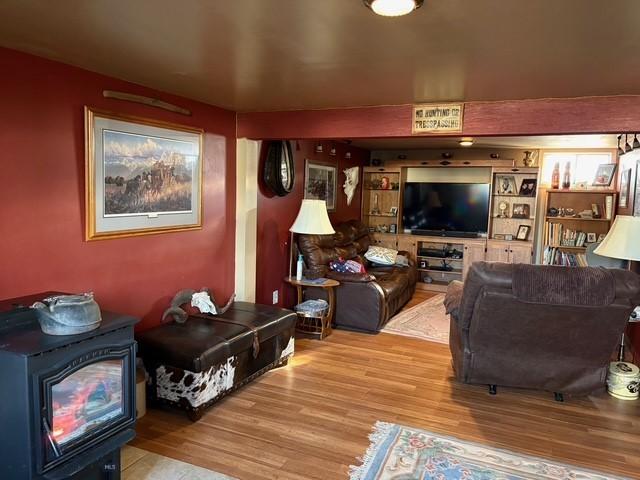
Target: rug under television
x=427, y=321
x=399, y=452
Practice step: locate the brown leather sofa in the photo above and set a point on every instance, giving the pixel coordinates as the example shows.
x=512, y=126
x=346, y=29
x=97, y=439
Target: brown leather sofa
x=542, y=327
x=364, y=302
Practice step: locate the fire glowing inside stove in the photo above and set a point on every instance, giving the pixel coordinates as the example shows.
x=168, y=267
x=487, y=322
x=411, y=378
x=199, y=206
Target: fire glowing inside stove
x=87, y=399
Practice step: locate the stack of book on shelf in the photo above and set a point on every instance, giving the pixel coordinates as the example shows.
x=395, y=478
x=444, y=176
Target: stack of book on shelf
x=558, y=235
x=555, y=256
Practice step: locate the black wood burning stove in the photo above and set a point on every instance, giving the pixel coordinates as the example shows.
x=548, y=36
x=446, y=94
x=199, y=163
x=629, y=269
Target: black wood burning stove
x=67, y=403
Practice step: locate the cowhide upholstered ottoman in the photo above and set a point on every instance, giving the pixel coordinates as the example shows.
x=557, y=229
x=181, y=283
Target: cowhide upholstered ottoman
x=191, y=365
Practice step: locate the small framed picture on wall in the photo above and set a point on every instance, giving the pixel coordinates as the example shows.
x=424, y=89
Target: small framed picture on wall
x=320, y=183
x=625, y=181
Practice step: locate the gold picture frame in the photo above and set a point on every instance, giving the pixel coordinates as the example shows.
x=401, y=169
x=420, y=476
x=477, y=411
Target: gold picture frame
x=142, y=176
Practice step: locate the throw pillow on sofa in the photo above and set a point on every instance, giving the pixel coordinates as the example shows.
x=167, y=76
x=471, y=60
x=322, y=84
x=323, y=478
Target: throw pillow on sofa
x=402, y=261
x=347, y=266
x=381, y=255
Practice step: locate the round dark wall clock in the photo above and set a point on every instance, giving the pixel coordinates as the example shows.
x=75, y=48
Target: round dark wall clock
x=279, y=169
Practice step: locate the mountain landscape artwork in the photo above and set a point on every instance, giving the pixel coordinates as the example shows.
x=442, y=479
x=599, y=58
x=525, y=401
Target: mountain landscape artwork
x=145, y=174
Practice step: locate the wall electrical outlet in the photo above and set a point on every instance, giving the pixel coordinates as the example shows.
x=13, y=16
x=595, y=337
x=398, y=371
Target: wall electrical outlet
x=275, y=297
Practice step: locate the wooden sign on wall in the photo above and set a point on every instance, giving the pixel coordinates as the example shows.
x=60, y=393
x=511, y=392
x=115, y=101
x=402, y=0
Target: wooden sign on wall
x=437, y=118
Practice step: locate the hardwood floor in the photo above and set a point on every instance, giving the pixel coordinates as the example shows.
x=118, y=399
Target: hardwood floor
x=311, y=419
x=418, y=297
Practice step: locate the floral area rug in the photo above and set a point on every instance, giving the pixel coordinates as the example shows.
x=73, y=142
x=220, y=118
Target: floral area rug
x=403, y=453
x=426, y=320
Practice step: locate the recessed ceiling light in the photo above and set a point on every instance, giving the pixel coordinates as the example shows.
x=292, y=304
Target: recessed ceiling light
x=466, y=142
x=393, y=8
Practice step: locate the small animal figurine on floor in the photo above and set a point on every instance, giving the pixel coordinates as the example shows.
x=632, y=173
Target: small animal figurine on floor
x=202, y=300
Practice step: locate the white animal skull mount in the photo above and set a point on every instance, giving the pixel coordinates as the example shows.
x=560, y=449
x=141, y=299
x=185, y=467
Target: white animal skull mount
x=350, y=183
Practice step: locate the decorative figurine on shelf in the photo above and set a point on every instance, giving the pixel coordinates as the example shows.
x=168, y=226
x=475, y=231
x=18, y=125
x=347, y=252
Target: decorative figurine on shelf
x=350, y=182
x=555, y=176
x=201, y=300
x=504, y=207
x=376, y=209
x=566, y=178
x=386, y=185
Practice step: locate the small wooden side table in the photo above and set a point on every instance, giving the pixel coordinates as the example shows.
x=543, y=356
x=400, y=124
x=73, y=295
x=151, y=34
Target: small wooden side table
x=320, y=326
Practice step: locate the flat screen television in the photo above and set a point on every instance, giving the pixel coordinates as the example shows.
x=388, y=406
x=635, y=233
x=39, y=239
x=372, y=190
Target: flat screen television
x=446, y=209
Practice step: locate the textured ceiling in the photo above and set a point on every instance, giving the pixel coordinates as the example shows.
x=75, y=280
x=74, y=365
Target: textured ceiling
x=252, y=55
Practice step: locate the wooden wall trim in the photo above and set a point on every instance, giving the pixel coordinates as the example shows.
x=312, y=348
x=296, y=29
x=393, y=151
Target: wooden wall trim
x=555, y=116
x=506, y=163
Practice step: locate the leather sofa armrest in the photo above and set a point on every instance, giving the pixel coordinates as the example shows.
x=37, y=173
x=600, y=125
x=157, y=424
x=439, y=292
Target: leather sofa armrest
x=453, y=298
x=351, y=277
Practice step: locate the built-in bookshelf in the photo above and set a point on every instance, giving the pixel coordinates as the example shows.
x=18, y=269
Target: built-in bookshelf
x=513, y=203
x=512, y=221
x=574, y=219
x=381, y=199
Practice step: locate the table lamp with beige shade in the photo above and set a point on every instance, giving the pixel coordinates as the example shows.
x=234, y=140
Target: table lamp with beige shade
x=622, y=242
x=312, y=219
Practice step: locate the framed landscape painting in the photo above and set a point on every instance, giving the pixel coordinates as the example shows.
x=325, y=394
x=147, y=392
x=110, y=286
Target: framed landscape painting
x=320, y=183
x=142, y=176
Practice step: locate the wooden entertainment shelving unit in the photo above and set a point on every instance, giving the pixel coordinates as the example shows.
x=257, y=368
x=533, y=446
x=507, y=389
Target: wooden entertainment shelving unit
x=458, y=255
x=437, y=272
x=379, y=197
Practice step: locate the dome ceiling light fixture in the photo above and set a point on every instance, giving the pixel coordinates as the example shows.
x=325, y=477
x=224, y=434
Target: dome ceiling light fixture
x=466, y=142
x=393, y=8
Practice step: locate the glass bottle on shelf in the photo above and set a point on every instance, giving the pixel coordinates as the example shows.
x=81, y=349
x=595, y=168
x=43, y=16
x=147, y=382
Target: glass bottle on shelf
x=555, y=176
x=376, y=209
x=566, y=178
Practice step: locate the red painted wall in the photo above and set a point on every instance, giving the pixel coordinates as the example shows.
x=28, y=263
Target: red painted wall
x=42, y=243
x=276, y=215
x=555, y=116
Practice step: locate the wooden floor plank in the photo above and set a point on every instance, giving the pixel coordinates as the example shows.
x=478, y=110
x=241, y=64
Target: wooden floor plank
x=311, y=419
